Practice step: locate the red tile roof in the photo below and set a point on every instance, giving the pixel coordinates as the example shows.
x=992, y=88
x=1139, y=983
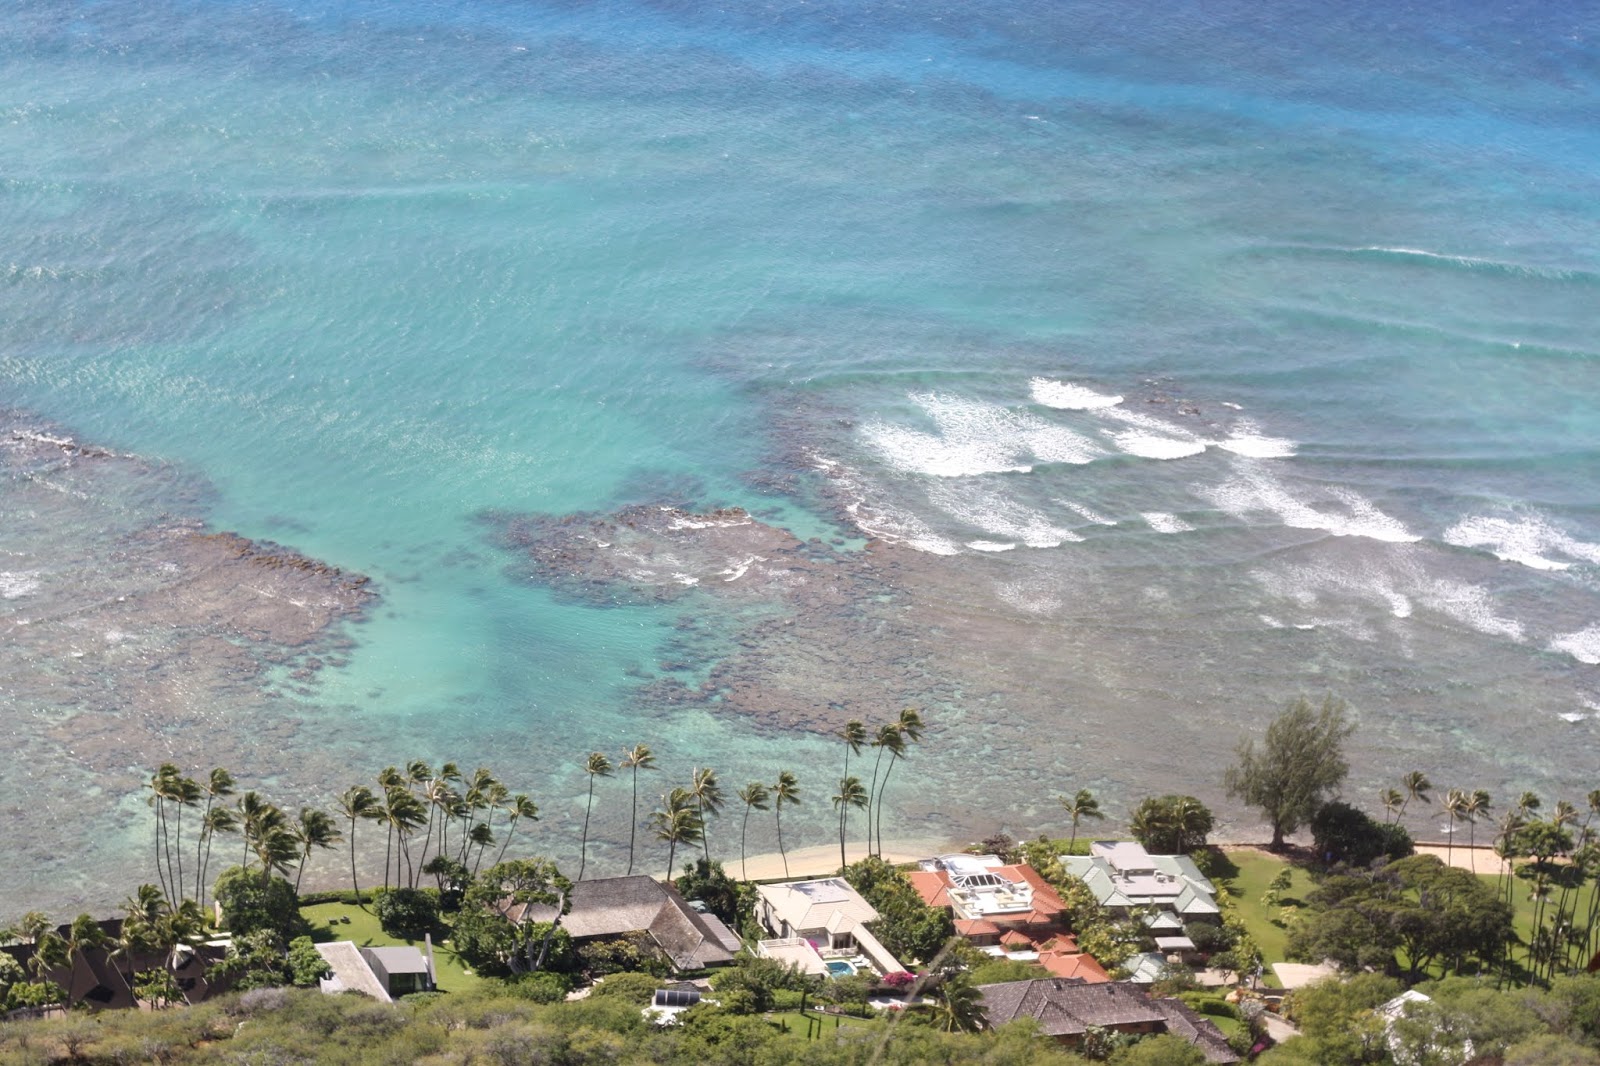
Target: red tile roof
x=1074, y=964
x=976, y=927
x=934, y=888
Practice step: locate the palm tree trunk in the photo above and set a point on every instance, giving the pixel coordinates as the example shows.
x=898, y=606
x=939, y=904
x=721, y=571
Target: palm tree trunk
x=871, y=792
x=179, y=824
x=388, y=845
x=672, y=853
x=779, y=815
x=893, y=758
x=160, y=874
x=842, y=863
x=705, y=837
x=300, y=871
x=583, y=849
x=199, y=848
x=744, y=830
x=511, y=827
x=355, y=885
x=633, y=827
x=1073, y=840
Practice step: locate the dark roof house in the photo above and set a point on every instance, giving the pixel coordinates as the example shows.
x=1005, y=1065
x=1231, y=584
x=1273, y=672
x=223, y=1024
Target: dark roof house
x=612, y=906
x=1065, y=1010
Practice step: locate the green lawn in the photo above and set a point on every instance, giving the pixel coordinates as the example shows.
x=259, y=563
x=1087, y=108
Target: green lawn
x=363, y=929
x=794, y=1022
x=1251, y=872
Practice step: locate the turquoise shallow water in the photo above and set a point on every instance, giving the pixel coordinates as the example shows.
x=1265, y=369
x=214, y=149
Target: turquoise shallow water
x=369, y=271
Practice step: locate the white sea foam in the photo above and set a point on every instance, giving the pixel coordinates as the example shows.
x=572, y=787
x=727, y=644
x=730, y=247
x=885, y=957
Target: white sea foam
x=1471, y=605
x=1255, y=446
x=1584, y=645
x=1066, y=396
x=1250, y=491
x=990, y=545
x=1530, y=541
x=975, y=437
x=1162, y=522
x=881, y=520
x=998, y=517
x=1150, y=446
x=15, y=584
x=1088, y=513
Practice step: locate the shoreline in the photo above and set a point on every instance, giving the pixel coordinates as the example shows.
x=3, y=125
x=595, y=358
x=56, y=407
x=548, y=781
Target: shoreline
x=822, y=860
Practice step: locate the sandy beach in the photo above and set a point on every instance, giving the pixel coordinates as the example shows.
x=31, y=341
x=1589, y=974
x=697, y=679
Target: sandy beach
x=823, y=860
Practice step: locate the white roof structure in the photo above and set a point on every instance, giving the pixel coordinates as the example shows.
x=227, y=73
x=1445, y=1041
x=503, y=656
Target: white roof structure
x=1122, y=875
x=829, y=903
x=796, y=951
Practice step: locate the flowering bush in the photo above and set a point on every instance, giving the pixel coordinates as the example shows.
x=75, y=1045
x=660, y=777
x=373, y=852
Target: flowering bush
x=899, y=979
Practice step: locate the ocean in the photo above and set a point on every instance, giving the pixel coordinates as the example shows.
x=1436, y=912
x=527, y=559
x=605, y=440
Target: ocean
x=1095, y=376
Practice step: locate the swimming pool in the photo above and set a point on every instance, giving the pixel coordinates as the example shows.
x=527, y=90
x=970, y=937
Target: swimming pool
x=840, y=968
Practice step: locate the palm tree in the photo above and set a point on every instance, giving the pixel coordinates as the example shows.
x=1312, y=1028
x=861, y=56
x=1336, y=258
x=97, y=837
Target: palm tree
x=639, y=757
x=402, y=813
x=707, y=793
x=787, y=790
x=754, y=796
x=389, y=778
x=887, y=738
x=677, y=822
x=218, y=786
x=597, y=765
x=1527, y=804
x=910, y=726
x=960, y=1007
x=1081, y=805
x=854, y=735
x=1417, y=787
x=1393, y=804
x=1455, y=805
x=314, y=829
x=217, y=820
x=1477, y=806
x=480, y=796
x=441, y=799
x=851, y=794
x=480, y=836
x=356, y=803
x=521, y=807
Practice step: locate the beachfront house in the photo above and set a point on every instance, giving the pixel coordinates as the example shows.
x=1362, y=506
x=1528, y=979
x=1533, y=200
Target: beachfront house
x=988, y=900
x=1169, y=890
x=608, y=907
x=1065, y=1011
x=830, y=918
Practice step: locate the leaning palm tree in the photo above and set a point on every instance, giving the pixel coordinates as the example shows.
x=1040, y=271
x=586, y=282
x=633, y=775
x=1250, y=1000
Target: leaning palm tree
x=519, y=808
x=754, y=796
x=1417, y=787
x=1528, y=804
x=887, y=738
x=787, y=790
x=597, y=765
x=676, y=822
x=1082, y=805
x=358, y=802
x=960, y=1007
x=218, y=786
x=313, y=829
x=910, y=726
x=402, y=814
x=707, y=794
x=217, y=820
x=852, y=793
x=639, y=757
x=1455, y=805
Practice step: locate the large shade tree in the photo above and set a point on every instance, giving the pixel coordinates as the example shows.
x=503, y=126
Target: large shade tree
x=1298, y=765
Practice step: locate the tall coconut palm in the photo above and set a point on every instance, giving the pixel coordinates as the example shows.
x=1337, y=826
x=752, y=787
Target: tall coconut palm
x=1528, y=804
x=707, y=794
x=358, y=802
x=597, y=765
x=1417, y=787
x=1081, y=805
x=402, y=814
x=219, y=785
x=1454, y=804
x=480, y=836
x=186, y=792
x=313, y=829
x=910, y=726
x=852, y=793
x=441, y=799
x=887, y=738
x=1477, y=805
x=787, y=790
x=519, y=808
x=639, y=757
x=389, y=778
x=677, y=821
x=854, y=735
x=754, y=796
x=217, y=820
x=494, y=797
x=478, y=796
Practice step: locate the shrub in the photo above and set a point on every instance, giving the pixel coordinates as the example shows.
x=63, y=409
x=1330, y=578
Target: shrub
x=635, y=988
x=1341, y=833
x=306, y=966
x=408, y=912
x=542, y=987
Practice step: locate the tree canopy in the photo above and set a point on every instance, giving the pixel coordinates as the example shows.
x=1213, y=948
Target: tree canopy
x=1298, y=765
